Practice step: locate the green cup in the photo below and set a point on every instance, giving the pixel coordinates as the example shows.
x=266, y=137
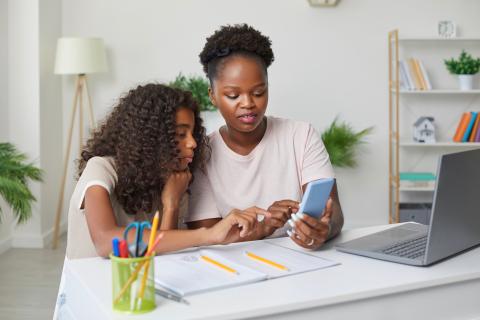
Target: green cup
x=133, y=284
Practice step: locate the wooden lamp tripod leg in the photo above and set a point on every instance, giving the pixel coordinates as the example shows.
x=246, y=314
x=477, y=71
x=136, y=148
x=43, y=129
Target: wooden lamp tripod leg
x=90, y=110
x=65, y=165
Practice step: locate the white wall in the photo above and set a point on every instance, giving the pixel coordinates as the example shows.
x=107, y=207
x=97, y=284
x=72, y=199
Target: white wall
x=328, y=62
x=51, y=158
x=5, y=232
x=34, y=108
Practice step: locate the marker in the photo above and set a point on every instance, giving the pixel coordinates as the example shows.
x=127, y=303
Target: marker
x=116, y=250
x=123, y=249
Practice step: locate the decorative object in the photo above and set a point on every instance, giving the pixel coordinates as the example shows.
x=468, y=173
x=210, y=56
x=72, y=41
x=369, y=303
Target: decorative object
x=198, y=86
x=447, y=29
x=77, y=56
x=323, y=3
x=424, y=130
x=341, y=142
x=14, y=176
x=465, y=67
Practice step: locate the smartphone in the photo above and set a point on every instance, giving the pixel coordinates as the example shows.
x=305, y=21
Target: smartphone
x=316, y=196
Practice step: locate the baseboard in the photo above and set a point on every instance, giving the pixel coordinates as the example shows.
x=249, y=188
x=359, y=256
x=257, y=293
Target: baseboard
x=36, y=241
x=5, y=244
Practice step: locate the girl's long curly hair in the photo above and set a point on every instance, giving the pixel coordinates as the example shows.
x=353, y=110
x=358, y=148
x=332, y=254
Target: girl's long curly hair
x=139, y=134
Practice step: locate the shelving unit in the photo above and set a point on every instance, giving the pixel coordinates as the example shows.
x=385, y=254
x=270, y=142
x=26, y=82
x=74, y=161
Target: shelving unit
x=444, y=102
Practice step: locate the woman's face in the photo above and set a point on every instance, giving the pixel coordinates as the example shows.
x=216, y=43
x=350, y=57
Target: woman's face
x=240, y=92
x=186, y=144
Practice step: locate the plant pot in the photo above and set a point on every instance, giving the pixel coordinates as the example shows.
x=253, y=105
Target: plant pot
x=465, y=81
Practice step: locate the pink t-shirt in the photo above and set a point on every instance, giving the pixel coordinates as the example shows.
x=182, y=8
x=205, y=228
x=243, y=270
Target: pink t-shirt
x=289, y=155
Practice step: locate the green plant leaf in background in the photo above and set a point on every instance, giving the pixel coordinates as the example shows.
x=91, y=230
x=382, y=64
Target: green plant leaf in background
x=465, y=64
x=14, y=176
x=341, y=142
x=198, y=86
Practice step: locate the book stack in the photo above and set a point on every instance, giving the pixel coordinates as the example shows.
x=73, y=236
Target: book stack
x=467, y=129
x=413, y=75
x=417, y=180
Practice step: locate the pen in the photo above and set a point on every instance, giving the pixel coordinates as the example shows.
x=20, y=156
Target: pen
x=171, y=296
x=266, y=261
x=218, y=264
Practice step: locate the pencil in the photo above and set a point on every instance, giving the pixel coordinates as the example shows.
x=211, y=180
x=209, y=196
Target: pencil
x=266, y=261
x=153, y=231
x=218, y=264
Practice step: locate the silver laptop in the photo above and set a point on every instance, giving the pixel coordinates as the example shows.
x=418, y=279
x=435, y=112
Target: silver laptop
x=454, y=222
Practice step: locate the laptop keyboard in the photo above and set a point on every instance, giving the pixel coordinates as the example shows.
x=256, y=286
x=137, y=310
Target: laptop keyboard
x=412, y=249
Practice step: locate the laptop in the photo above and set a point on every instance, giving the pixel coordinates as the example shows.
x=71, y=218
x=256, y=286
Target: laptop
x=454, y=220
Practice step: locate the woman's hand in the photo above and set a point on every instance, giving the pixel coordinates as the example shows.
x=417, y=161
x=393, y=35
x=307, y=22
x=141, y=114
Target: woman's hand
x=236, y=225
x=311, y=233
x=280, y=213
x=174, y=188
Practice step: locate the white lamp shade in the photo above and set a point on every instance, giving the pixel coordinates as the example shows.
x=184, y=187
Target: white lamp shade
x=80, y=55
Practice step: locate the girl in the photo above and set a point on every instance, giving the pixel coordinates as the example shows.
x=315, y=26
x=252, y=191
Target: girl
x=139, y=161
x=257, y=160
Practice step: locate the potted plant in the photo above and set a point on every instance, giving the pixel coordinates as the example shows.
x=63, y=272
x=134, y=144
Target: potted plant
x=341, y=142
x=14, y=177
x=198, y=86
x=465, y=67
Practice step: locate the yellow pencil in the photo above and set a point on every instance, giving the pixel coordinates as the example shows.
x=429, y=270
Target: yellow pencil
x=153, y=231
x=218, y=264
x=266, y=261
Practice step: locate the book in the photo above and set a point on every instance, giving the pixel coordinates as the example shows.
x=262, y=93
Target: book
x=413, y=73
x=425, y=75
x=408, y=76
x=419, y=74
x=474, y=130
x=466, y=135
x=417, y=180
x=462, y=127
x=477, y=135
x=186, y=273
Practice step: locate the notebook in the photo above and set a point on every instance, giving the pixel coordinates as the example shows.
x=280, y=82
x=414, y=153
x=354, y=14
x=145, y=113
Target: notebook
x=187, y=273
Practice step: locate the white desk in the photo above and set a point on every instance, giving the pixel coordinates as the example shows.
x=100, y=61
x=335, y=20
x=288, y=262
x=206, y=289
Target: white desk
x=360, y=288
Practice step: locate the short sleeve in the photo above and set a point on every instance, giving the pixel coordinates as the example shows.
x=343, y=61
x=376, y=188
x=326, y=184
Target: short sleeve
x=202, y=201
x=316, y=161
x=98, y=172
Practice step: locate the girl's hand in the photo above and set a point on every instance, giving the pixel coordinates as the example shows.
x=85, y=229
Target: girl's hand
x=280, y=213
x=236, y=225
x=174, y=188
x=311, y=233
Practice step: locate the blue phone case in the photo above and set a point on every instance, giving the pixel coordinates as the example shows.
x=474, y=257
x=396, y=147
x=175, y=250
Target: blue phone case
x=316, y=196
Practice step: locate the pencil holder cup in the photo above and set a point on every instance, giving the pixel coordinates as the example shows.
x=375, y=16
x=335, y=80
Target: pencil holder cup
x=133, y=284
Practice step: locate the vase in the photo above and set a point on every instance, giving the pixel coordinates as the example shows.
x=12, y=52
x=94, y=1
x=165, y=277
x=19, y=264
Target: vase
x=465, y=81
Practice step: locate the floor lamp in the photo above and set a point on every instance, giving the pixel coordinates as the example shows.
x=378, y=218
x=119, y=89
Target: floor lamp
x=79, y=57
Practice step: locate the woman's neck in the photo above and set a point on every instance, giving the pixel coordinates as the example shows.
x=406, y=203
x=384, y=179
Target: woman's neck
x=243, y=142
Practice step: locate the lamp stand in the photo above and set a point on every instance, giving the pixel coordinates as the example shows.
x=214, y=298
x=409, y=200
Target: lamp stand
x=80, y=87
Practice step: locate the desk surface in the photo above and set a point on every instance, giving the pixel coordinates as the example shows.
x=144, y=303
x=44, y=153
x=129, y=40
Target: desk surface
x=359, y=285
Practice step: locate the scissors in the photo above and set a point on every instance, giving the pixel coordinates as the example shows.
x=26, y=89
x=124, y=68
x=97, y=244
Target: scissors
x=138, y=248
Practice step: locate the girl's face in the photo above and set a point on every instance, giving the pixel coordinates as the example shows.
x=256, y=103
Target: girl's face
x=240, y=92
x=186, y=144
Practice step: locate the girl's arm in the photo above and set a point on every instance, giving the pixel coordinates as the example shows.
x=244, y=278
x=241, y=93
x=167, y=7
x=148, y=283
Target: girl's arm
x=103, y=228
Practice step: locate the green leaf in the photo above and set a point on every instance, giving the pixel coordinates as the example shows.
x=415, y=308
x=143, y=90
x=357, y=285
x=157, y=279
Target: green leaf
x=198, y=86
x=465, y=64
x=14, y=177
x=341, y=142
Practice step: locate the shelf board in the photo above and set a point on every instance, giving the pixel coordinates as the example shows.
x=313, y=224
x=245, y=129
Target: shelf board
x=439, y=91
x=441, y=144
x=417, y=189
x=405, y=39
